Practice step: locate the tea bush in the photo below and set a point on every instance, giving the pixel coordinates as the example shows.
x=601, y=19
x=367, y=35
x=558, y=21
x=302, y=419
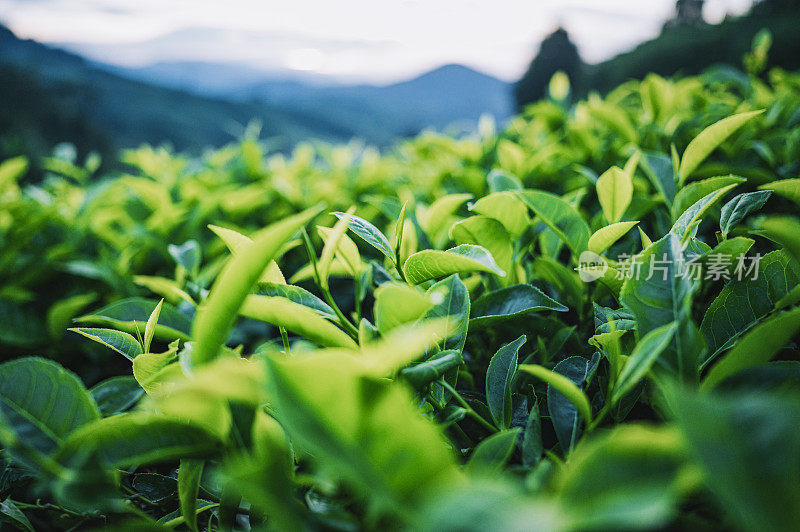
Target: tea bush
x=585, y=321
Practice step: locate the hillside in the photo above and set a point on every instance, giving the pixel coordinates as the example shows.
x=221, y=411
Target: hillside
x=449, y=95
x=689, y=50
x=133, y=112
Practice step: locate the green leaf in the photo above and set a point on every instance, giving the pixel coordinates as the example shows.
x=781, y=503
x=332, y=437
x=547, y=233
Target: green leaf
x=658, y=168
x=532, y=444
x=440, y=213
x=788, y=188
x=566, y=407
x=510, y=303
x=150, y=326
x=298, y=295
x=748, y=450
x=451, y=303
x=686, y=225
x=333, y=239
x=234, y=240
x=665, y=297
x=604, y=238
x=139, y=438
x=237, y=242
x=10, y=514
x=629, y=478
x=60, y=315
x=558, y=383
x=215, y=316
x=117, y=394
x=708, y=140
x=614, y=191
x=187, y=255
x=506, y=208
x=397, y=304
x=736, y=209
x=742, y=303
x=487, y=233
x=757, y=347
x=152, y=370
x=690, y=194
x=370, y=234
x=430, y=264
x=131, y=314
x=189, y=473
x=499, y=376
x=785, y=230
x=41, y=403
x=493, y=453
x=121, y=342
x=342, y=418
x=11, y=170
x=500, y=182
x=644, y=355
x=296, y=318
x=560, y=216
x=424, y=373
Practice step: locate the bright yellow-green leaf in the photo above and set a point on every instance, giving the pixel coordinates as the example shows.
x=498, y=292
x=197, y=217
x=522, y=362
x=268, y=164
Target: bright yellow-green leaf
x=708, y=140
x=150, y=326
x=431, y=264
x=346, y=250
x=567, y=388
x=216, y=314
x=788, y=188
x=166, y=288
x=399, y=303
x=506, y=208
x=604, y=238
x=296, y=318
x=615, y=191
x=331, y=247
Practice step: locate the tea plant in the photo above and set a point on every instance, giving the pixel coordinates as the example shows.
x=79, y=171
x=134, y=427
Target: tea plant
x=586, y=321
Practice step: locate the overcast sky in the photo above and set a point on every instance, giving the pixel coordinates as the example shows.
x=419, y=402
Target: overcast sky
x=351, y=40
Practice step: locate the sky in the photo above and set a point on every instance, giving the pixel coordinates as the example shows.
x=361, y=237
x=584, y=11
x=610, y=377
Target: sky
x=377, y=41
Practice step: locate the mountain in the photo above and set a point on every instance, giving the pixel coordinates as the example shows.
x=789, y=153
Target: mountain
x=124, y=111
x=451, y=95
x=48, y=95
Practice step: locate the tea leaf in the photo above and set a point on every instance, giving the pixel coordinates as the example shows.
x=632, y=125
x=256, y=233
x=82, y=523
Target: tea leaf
x=641, y=360
x=41, y=404
x=499, y=376
x=604, y=238
x=788, y=188
x=370, y=234
x=130, y=315
x=216, y=314
x=758, y=346
x=492, y=453
x=708, y=140
x=739, y=207
x=121, y=342
x=510, y=303
x=430, y=264
x=560, y=216
x=137, y=439
x=296, y=318
x=614, y=191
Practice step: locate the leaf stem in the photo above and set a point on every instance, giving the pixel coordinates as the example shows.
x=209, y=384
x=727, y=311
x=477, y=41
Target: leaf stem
x=285, y=338
x=470, y=412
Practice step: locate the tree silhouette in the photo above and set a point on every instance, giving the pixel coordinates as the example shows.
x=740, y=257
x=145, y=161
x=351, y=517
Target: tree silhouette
x=557, y=52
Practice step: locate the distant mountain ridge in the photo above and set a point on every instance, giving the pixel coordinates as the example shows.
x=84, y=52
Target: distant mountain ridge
x=195, y=105
x=131, y=112
x=451, y=95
